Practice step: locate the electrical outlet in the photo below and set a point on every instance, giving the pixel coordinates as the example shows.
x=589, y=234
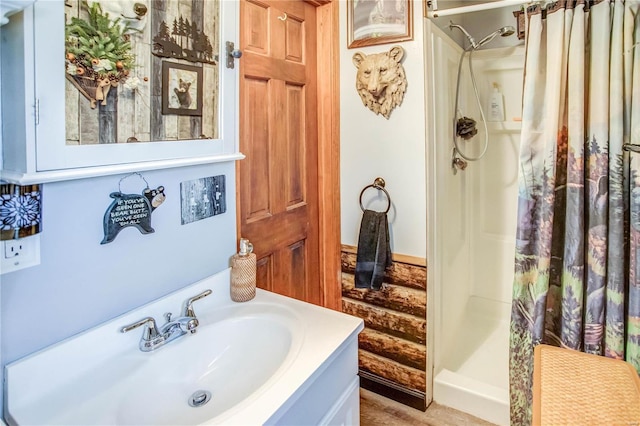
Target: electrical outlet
x=13, y=248
x=19, y=254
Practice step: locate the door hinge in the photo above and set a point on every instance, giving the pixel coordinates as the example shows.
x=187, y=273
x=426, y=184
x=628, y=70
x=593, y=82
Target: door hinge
x=36, y=111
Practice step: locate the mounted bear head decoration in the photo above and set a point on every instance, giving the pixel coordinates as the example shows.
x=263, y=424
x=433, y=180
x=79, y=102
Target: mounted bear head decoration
x=381, y=81
x=131, y=12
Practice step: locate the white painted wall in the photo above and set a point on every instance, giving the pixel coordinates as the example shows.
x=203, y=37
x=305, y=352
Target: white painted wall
x=393, y=149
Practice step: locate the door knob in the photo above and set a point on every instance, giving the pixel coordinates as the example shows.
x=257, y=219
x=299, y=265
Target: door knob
x=232, y=53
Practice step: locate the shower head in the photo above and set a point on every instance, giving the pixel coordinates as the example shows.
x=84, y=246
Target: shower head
x=506, y=31
x=503, y=32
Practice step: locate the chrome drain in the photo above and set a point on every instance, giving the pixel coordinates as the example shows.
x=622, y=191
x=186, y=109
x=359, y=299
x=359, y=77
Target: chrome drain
x=199, y=398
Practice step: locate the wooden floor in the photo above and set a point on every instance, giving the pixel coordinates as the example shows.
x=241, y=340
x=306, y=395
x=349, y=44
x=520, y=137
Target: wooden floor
x=376, y=410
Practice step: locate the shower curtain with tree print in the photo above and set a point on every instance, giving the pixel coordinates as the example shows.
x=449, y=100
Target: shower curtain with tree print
x=577, y=268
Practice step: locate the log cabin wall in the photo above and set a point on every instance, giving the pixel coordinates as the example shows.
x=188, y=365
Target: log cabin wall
x=392, y=347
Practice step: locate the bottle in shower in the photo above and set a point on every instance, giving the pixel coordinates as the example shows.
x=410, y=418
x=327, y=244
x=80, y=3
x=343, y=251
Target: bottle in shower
x=243, y=273
x=496, y=105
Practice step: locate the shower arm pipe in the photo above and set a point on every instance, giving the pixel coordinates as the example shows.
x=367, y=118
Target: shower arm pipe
x=473, y=8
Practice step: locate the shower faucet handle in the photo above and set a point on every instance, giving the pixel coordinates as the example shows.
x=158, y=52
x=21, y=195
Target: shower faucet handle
x=460, y=163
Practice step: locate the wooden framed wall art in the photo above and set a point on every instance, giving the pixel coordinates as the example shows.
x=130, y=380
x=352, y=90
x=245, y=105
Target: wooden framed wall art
x=373, y=22
x=181, y=89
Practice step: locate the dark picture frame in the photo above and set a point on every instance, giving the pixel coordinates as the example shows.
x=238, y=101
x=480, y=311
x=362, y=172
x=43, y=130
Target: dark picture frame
x=181, y=89
x=373, y=22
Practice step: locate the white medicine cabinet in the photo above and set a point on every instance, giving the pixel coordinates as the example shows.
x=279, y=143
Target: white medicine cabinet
x=176, y=105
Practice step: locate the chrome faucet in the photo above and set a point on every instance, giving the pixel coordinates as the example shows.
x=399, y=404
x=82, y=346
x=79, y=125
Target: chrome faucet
x=153, y=338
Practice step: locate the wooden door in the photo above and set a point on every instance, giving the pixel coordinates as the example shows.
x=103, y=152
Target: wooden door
x=278, y=180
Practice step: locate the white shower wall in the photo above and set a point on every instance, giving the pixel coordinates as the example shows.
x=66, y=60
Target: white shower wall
x=472, y=228
x=493, y=180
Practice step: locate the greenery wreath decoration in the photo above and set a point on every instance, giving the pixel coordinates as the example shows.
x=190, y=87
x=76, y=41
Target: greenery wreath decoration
x=98, y=53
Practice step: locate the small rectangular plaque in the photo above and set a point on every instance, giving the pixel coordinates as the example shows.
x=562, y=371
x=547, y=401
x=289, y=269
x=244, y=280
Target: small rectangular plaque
x=202, y=198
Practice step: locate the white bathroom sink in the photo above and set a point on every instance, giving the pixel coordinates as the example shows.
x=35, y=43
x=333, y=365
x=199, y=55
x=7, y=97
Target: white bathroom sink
x=243, y=364
x=191, y=380
x=206, y=374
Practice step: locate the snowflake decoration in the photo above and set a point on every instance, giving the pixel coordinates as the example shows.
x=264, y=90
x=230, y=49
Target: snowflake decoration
x=20, y=211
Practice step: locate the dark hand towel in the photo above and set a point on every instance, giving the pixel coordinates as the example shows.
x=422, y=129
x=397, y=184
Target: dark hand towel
x=374, y=252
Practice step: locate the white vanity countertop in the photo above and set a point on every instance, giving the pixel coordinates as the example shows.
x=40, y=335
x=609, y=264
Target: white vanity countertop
x=319, y=336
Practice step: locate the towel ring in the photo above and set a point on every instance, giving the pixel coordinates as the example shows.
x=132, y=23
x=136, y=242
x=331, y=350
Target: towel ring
x=379, y=185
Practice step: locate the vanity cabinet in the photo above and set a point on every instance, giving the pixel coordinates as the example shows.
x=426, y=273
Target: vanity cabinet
x=35, y=119
x=331, y=396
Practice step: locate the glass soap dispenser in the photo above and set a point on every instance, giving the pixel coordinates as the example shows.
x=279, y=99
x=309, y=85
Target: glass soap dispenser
x=243, y=273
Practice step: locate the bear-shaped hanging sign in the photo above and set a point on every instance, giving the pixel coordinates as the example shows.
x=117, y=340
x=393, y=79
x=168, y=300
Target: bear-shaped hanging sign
x=131, y=210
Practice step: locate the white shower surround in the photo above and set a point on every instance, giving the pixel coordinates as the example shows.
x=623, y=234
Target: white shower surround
x=471, y=228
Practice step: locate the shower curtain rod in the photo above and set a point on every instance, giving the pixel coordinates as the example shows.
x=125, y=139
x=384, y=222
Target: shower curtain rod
x=473, y=8
x=435, y=13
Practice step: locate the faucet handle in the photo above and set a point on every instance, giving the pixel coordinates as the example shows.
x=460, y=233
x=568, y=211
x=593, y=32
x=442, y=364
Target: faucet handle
x=150, y=332
x=191, y=326
x=188, y=309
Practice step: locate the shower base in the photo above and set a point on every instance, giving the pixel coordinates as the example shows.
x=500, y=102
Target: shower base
x=475, y=377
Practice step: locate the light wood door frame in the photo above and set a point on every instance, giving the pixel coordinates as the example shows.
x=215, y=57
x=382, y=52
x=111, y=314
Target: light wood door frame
x=328, y=83
x=328, y=32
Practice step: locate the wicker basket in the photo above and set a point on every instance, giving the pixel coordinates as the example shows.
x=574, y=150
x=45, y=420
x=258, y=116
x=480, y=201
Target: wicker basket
x=575, y=388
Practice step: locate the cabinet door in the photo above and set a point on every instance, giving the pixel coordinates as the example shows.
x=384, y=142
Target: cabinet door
x=56, y=126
